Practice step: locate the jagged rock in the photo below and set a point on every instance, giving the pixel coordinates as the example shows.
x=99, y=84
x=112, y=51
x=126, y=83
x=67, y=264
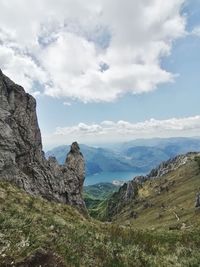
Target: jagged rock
x=169, y=165
x=22, y=160
x=125, y=195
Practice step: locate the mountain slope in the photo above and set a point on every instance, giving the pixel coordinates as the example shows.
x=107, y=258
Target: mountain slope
x=35, y=232
x=101, y=190
x=96, y=195
x=163, y=199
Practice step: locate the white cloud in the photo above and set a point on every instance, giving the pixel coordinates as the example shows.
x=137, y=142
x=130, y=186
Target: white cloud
x=64, y=45
x=21, y=68
x=67, y=103
x=196, y=31
x=110, y=131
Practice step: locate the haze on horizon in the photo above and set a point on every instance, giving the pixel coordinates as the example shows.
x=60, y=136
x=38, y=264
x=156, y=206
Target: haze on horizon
x=106, y=71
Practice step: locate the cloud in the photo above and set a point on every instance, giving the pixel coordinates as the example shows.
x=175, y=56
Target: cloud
x=67, y=103
x=21, y=68
x=196, y=31
x=91, y=51
x=110, y=131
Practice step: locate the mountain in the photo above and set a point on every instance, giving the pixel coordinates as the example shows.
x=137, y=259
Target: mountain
x=135, y=156
x=163, y=198
x=152, y=220
x=22, y=160
x=181, y=142
x=97, y=159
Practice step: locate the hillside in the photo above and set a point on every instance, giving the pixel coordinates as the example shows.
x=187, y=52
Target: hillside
x=135, y=156
x=101, y=190
x=96, y=195
x=164, y=200
x=35, y=232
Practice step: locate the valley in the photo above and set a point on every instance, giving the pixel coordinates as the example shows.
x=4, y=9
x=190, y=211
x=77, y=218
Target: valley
x=50, y=218
x=123, y=161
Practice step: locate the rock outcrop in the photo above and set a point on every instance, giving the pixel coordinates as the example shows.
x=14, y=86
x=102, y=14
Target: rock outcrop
x=22, y=160
x=127, y=192
x=170, y=165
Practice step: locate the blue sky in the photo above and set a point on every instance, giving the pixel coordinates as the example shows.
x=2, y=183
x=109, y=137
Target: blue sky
x=147, y=105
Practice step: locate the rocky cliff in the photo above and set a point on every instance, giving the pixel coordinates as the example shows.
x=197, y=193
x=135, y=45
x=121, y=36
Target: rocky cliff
x=22, y=160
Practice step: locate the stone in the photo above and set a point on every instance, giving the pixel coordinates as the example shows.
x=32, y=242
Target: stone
x=22, y=160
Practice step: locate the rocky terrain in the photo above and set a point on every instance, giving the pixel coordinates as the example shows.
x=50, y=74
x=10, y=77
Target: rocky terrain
x=154, y=218
x=22, y=160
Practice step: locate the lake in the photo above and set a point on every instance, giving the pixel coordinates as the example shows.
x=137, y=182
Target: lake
x=104, y=177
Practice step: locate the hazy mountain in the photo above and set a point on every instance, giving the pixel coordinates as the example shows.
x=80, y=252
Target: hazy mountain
x=97, y=159
x=138, y=155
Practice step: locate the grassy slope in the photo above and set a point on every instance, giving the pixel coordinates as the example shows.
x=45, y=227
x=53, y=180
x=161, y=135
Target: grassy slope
x=95, y=198
x=28, y=224
x=100, y=190
x=160, y=209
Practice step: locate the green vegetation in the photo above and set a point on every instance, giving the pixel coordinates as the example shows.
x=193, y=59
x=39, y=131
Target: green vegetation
x=29, y=224
x=165, y=232
x=96, y=196
x=100, y=190
x=167, y=202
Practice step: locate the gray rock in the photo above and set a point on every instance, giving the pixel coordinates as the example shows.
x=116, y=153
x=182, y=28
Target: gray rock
x=169, y=165
x=127, y=193
x=22, y=160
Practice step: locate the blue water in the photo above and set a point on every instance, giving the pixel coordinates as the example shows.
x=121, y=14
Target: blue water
x=109, y=177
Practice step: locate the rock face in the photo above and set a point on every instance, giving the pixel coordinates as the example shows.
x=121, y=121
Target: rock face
x=22, y=160
x=119, y=199
x=170, y=165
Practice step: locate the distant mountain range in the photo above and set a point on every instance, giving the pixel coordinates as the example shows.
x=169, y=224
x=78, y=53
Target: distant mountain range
x=137, y=156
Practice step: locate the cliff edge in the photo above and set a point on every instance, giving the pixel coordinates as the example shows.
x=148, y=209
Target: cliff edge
x=22, y=160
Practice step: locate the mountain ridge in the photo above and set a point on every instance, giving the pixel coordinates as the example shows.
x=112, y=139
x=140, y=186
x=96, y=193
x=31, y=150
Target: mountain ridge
x=160, y=182
x=137, y=156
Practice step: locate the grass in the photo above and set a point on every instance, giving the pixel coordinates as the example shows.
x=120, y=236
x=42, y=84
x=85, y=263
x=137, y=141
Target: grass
x=95, y=197
x=166, y=202
x=28, y=224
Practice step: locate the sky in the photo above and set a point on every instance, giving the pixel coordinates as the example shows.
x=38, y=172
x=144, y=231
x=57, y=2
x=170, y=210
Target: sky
x=105, y=70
